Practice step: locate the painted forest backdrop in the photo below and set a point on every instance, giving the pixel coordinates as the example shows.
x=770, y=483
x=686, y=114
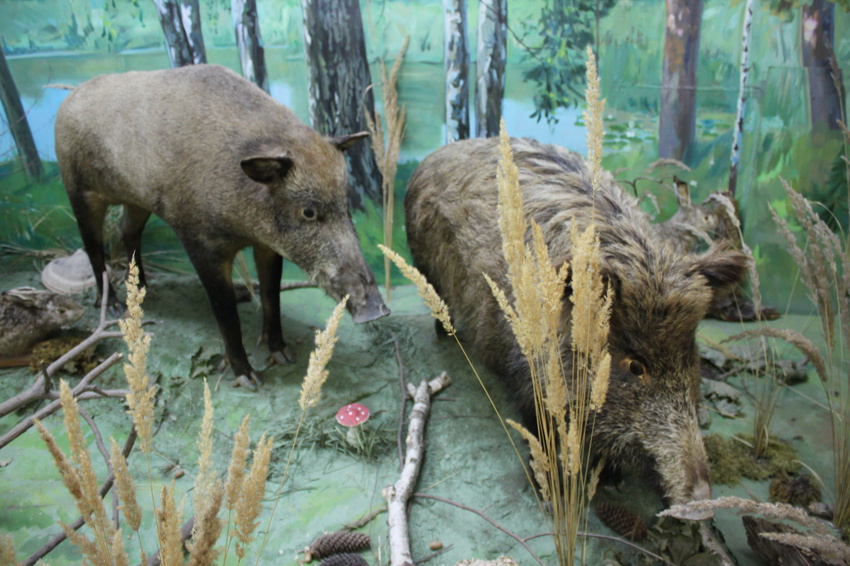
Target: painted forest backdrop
x=676, y=75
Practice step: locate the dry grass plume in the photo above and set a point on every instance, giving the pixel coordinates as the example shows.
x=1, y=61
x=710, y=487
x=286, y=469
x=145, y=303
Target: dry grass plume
x=387, y=149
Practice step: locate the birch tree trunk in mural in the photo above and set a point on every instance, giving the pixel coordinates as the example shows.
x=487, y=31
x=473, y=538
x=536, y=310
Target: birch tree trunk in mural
x=338, y=78
x=456, y=60
x=738, y=133
x=252, y=56
x=490, y=66
x=677, y=120
x=190, y=14
x=17, y=120
x=825, y=88
x=181, y=25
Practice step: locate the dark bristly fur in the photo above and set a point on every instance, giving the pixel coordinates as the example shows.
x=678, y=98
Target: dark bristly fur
x=226, y=166
x=660, y=295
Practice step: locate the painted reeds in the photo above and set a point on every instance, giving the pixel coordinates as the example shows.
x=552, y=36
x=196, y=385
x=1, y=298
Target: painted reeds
x=825, y=270
x=386, y=145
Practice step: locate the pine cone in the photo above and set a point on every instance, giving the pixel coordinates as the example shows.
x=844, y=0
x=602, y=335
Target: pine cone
x=338, y=542
x=344, y=559
x=623, y=522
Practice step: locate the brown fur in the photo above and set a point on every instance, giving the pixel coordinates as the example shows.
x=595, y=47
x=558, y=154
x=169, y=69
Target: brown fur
x=660, y=294
x=226, y=167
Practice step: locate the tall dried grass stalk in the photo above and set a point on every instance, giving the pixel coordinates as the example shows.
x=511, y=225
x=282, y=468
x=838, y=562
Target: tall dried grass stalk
x=825, y=270
x=208, y=494
x=534, y=308
x=141, y=397
x=387, y=150
x=435, y=304
x=79, y=478
x=250, y=503
x=593, y=116
x=311, y=388
x=169, y=518
x=533, y=305
x=125, y=486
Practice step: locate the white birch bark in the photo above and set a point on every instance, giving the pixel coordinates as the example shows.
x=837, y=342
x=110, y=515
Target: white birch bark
x=490, y=66
x=398, y=494
x=738, y=133
x=190, y=16
x=251, y=53
x=456, y=60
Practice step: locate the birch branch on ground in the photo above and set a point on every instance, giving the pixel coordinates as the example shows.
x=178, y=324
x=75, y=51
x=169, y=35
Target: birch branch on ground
x=398, y=494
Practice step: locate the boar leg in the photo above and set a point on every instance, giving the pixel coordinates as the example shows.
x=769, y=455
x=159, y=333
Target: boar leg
x=90, y=213
x=269, y=270
x=132, y=224
x=215, y=272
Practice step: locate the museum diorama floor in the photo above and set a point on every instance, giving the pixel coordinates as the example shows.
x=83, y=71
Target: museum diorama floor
x=331, y=482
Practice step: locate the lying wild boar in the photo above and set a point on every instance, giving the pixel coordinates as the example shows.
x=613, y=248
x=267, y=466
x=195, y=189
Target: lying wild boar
x=660, y=295
x=226, y=167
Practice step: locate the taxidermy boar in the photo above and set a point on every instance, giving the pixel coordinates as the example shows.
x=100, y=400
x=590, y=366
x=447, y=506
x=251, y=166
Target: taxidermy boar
x=226, y=167
x=660, y=295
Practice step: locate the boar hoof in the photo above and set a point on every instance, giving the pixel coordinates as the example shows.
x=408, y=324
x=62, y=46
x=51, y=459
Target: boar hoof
x=283, y=356
x=249, y=382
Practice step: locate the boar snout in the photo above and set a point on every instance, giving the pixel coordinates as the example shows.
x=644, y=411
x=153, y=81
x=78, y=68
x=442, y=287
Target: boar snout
x=370, y=307
x=681, y=461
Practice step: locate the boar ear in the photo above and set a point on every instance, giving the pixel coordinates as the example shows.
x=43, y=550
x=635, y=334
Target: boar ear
x=721, y=266
x=345, y=142
x=267, y=169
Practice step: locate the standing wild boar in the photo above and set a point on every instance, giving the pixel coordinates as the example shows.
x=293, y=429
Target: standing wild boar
x=660, y=295
x=226, y=167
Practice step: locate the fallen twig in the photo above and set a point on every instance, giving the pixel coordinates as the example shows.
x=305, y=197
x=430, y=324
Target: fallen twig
x=398, y=494
x=403, y=403
x=82, y=386
x=364, y=520
x=104, y=489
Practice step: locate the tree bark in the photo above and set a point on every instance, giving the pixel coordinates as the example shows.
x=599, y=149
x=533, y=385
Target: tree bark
x=252, y=56
x=176, y=43
x=18, y=123
x=456, y=60
x=190, y=14
x=677, y=120
x=338, y=79
x=490, y=66
x=738, y=133
x=817, y=29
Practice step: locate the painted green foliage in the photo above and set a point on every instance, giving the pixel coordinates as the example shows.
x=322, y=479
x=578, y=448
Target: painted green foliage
x=565, y=28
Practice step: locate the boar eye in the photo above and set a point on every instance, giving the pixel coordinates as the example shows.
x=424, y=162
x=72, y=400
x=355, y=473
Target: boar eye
x=308, y=214
x=636, y=368
x=633, y=367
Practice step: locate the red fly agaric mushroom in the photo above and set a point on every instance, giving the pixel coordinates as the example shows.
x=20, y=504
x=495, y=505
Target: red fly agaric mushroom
x=352, y=416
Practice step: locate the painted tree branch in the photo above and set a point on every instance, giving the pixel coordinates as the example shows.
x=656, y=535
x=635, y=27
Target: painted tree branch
x=398, y=494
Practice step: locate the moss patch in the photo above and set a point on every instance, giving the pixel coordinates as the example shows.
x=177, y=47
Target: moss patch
x=731, y=459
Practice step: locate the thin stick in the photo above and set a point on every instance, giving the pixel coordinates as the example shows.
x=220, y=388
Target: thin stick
x=104, y=489
x=403, y=404
x=364, y=520
x=27, y=423
x=398, y=494
x=486, y=518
